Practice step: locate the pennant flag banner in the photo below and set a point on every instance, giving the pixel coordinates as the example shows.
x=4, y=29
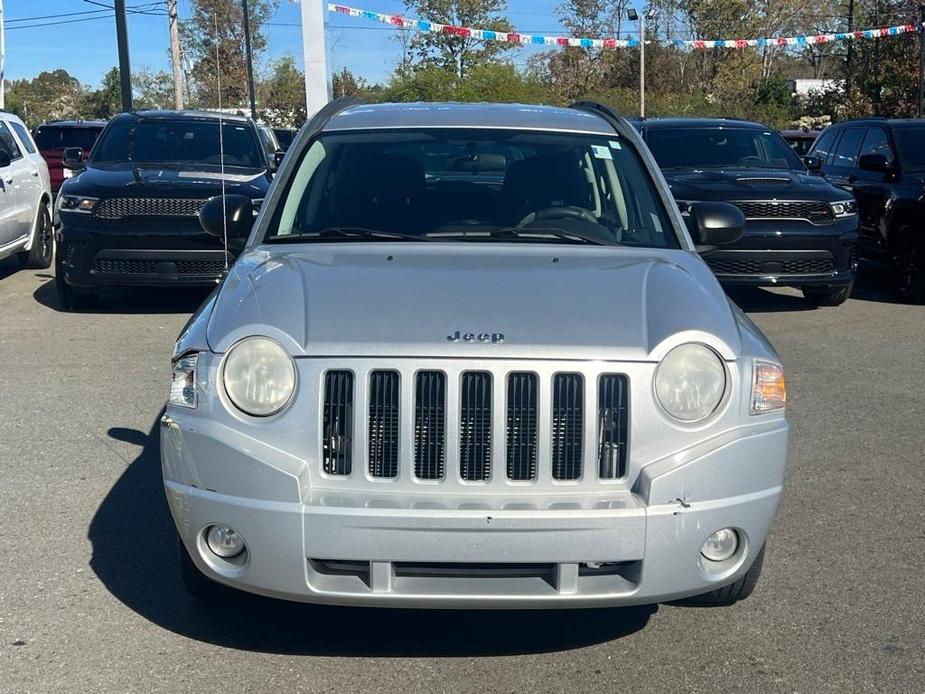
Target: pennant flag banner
x=400, y=22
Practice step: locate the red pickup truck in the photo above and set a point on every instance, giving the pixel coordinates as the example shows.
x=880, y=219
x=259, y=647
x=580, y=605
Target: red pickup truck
x=52, y=138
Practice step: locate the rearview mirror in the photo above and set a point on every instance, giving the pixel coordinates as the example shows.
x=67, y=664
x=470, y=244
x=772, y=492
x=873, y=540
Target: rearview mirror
x=5, y=160
x=232, y=213
x=714, y=224
x=874, y=162
x=73, y=158
x=812, y=162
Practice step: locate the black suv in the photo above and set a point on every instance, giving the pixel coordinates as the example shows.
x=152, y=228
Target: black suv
x=800, y=230
x=130, y=214
x=883, y=163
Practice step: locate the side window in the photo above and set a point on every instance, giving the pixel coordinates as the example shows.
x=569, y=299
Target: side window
x=876, y=142
x=24, y=137
x=8, y=143
x=847, y=153
x=825, y=144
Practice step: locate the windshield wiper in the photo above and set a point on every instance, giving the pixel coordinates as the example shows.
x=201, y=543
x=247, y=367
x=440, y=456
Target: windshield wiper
x=532, y=233
x=347, y=233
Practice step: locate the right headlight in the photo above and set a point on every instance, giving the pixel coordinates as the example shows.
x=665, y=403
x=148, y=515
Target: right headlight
x=690, y=382
x=259, y=376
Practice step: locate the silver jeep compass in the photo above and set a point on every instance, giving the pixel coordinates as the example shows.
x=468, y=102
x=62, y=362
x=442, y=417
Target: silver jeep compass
x=470, y=357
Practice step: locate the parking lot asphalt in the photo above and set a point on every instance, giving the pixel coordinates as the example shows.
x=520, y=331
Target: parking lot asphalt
x=90, y=597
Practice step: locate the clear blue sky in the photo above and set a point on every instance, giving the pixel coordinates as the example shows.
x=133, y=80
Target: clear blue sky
x=87, y=49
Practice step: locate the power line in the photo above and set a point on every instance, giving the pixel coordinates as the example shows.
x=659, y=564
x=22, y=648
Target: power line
x=146, y=9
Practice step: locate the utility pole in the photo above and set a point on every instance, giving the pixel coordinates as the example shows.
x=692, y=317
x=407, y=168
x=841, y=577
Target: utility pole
x=172, y=21
x=315, y=53
x=250, y=60
x=642, y=65
x=125, y=70
x=849, y=66
x=2, y=60
x=921, y=104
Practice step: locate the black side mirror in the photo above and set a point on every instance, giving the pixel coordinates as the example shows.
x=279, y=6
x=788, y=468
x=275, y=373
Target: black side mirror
x=73, y=158
x=874, y=162
x=277, y=161
x=812, y=162
x=714, y=224
x=236, y=212
x=5, y=159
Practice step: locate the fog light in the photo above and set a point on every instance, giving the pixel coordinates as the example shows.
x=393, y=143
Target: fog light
x=224, y=541
x=720, y=545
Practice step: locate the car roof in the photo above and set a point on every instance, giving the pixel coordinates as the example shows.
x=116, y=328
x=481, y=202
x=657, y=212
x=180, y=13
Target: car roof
x=74, y=124
x=467, y=115
x=164, y=114
x=657, y=123
x=895, y=122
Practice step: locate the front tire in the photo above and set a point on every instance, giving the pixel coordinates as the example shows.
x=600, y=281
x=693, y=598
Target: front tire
x=197, y=583
x=828, y=296
x=43, y=242
x=67, y=297
x=909, y=266
x=734, y=592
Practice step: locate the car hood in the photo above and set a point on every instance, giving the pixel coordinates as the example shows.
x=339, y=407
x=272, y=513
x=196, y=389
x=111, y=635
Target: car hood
x=404, y=300
x=749, y=184
x=142, y=180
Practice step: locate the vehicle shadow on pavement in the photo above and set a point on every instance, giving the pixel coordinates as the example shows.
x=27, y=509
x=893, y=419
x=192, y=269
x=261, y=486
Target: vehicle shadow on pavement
x=134, y=555
x=131, y=300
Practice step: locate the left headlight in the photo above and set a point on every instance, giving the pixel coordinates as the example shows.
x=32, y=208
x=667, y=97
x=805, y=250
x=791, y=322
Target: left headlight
x=259, y=376
x=690, y=382
x=183, y=385
x=846, y=208
x=76, y=203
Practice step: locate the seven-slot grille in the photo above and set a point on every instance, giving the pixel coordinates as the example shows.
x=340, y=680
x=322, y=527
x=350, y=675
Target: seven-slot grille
x=120, y=208
x=569, y=399
x=817, y=212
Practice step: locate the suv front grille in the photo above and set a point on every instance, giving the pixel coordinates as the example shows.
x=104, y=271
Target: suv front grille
x=135, y=266
x=567, y=429
x=475, y=427
x=430, y=425
x=122, y=208
x=337, y=446
x=816, y=212
x=574, y=408
x=769, y=266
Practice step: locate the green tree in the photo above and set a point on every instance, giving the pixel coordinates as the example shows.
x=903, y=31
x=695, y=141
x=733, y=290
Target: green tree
x=106, y=101
x=213, y=37
x=283, y=95
x=458, y=54
x=152, y=89
x=48, y=96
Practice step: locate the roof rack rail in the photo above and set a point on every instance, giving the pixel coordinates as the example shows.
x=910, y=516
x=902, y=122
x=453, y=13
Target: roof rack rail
x=595, y=107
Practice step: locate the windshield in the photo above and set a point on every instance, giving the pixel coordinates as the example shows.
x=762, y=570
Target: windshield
x=52, y=137
x=472, y=185
x=910, y=142
x=720, y=148
x=179, y=142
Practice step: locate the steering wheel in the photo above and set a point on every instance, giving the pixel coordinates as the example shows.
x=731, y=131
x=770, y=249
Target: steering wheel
x=569, y=212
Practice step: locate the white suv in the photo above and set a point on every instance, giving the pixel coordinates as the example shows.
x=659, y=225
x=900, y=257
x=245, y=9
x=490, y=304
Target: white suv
x=25, y=197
